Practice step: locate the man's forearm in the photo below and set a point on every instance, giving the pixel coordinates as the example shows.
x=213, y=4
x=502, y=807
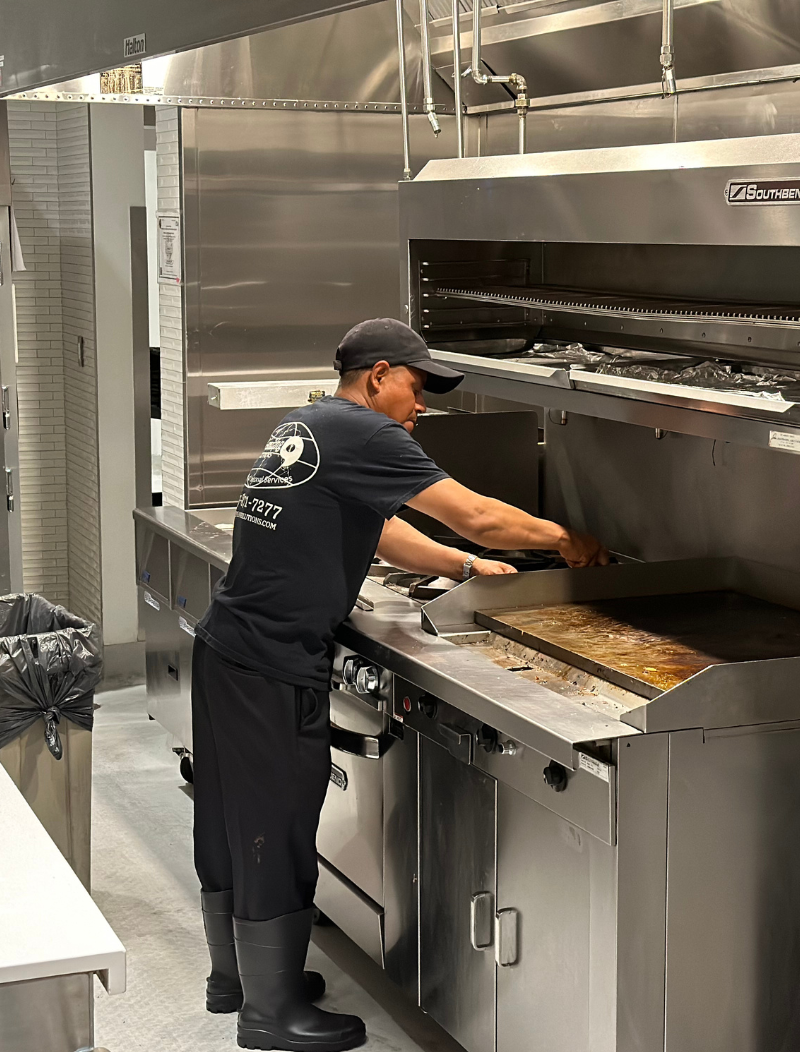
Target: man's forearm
x=408, y=549
x=497, y=525
x=503, y=526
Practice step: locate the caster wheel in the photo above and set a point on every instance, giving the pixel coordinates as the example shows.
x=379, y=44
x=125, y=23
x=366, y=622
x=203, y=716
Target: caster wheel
x=322, y=920
x=187, y=770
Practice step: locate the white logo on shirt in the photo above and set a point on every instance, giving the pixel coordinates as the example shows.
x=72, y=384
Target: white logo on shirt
x=290, y=458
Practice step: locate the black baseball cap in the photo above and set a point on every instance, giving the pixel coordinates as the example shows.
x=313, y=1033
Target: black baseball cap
x=389, y=340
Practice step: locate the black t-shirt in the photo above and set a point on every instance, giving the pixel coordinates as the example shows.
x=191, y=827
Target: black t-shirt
x=307, y=527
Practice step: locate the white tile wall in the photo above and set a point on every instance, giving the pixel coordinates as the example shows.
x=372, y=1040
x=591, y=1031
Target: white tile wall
x=57, y=398
x=40, y=390
x=172, y=319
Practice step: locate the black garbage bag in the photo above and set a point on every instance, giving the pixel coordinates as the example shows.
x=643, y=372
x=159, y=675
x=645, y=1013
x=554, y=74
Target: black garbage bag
x=50, y=663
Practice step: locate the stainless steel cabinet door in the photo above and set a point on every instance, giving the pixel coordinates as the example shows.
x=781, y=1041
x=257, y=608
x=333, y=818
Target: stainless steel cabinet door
x=560, y=992
x=168, y=655
x=457, y=886
x=733, y=890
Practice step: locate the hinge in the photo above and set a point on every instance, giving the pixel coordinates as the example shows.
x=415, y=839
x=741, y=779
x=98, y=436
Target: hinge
x=9, y=489
x=5, y=401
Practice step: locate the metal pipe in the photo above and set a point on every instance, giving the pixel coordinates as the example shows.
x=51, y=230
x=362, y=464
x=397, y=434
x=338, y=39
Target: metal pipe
x=401, y=55
x=428, y=105
x=668, y=83
x=457, y=78
x=516, y=80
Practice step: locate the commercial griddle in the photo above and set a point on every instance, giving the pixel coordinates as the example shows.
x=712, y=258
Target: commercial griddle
x=649, y=644
x=702, y=642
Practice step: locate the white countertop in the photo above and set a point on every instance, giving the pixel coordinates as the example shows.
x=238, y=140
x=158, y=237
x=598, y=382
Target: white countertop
x=49, y=924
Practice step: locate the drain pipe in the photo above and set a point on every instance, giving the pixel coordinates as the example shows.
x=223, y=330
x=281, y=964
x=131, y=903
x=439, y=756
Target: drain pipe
x=457, y=78
x=428, y=105
x=668, y=84
x=401, y=51
x=516, y=80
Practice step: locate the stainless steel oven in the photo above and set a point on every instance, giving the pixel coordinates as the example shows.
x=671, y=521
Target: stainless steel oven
x=368, y=828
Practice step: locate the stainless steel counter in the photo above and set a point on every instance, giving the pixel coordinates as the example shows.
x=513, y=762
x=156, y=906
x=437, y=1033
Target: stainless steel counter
x=391, y=634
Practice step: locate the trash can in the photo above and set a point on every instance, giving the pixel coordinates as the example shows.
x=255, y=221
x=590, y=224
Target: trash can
x=50, y=663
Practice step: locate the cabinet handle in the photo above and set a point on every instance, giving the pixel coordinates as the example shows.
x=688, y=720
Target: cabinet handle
x=481, y=920
x=458, y=742
x=506, y=937
x=368, y=746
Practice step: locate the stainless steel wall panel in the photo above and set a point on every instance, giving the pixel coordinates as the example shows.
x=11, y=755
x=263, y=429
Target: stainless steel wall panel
x=755, y=109
x=291, y=238
x=676, y=498
x=733, y=935
x=569, y=48
x=629, y=122
x=350, y=56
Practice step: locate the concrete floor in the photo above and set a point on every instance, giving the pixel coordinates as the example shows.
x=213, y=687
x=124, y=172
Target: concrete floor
x=144, y=882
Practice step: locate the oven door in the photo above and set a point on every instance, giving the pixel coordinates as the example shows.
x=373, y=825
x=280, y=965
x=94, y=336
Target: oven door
x=351, y=826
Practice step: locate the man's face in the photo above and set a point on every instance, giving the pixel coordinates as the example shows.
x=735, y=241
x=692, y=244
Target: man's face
x=397, y=392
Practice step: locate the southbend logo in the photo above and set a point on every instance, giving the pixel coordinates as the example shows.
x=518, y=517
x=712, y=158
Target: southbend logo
x=763, y=192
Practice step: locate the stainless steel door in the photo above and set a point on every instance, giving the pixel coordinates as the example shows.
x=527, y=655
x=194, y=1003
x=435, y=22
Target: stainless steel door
x=457, y=891
x=560, y=884
x=733, y=894
x=168, y=652
x=10, y=521
x=351, y=825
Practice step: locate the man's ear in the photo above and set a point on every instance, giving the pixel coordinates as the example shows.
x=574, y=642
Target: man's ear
x=379, y=373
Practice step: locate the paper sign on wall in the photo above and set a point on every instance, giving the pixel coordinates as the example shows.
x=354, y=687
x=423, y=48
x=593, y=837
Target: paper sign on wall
x=169, y=250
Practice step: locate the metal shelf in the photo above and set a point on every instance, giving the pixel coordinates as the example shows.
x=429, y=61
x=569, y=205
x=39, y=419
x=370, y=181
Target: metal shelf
x=560, y=390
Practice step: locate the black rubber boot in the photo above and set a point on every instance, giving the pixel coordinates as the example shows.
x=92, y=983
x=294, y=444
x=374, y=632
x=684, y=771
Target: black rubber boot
x=223, y=986
x=277, y=1014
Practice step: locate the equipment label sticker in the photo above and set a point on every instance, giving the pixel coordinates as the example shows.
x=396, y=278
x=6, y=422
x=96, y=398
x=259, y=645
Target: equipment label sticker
x=338, y=776
x=763, y=192
x=595, y=767
x=134, y=47
x=784, y=440
x=151, y=601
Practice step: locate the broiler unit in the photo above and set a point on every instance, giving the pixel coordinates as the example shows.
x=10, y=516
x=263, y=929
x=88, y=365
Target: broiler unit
x=652, y=260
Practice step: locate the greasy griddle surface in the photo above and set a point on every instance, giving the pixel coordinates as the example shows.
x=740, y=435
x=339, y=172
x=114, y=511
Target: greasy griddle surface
x=651, y=643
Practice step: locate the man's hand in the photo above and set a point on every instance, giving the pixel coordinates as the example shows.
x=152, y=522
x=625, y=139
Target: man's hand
x=581, y=549
x=489, y=567
x=493, y=524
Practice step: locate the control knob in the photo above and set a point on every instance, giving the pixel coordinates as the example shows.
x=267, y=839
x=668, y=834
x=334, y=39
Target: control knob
x=428, y=706
x=555, y=776
x=367, y=679
x=357, y=673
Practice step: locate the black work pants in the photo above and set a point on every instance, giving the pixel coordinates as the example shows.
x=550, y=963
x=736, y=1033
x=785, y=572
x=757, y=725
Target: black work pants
x=261, y=768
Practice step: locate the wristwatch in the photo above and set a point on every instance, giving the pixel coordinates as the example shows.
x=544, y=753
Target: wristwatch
x=467, y=571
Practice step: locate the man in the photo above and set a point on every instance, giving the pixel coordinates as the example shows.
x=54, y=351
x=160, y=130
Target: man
x=317, y=504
